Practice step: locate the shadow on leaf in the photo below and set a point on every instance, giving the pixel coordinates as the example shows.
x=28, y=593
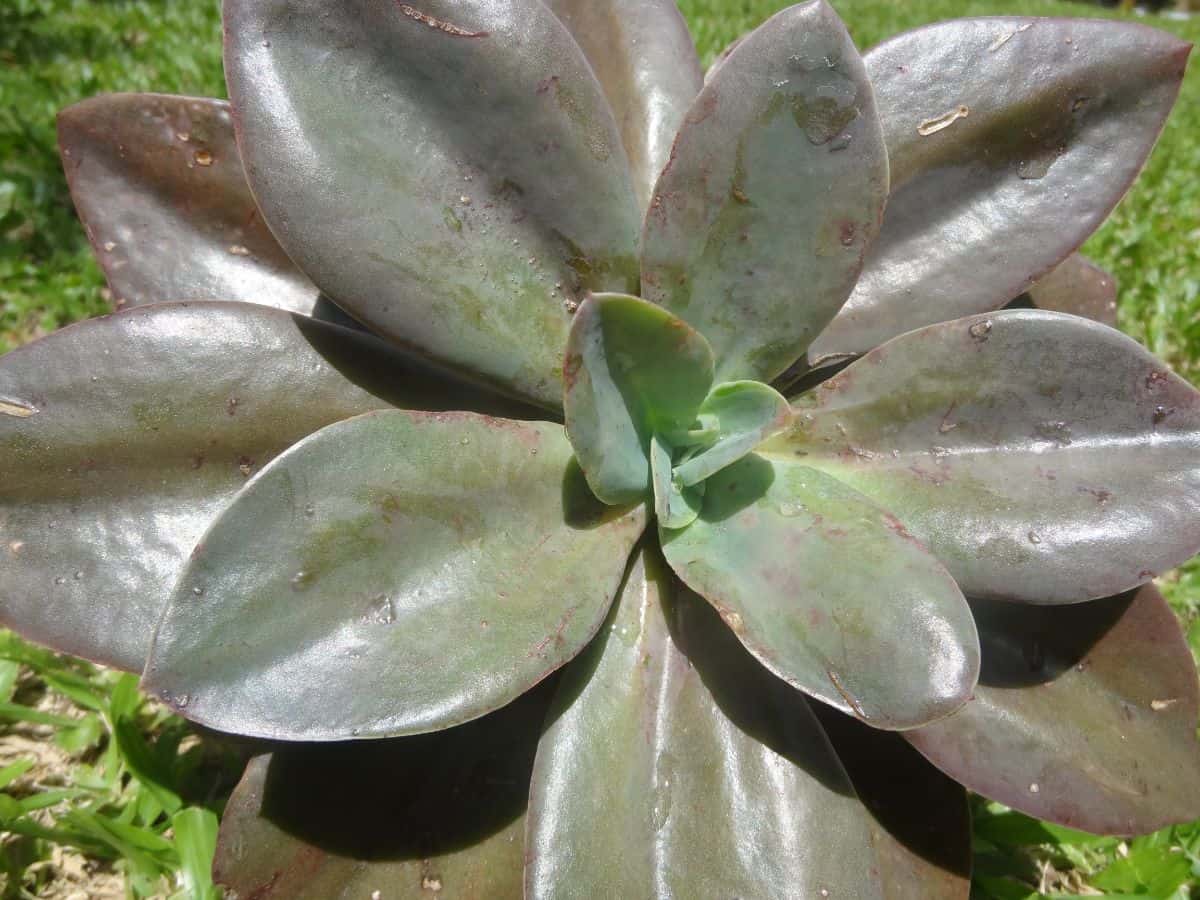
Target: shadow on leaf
x=408, y=798
x=736, y=487
x=761, y=705
x=924, y=810
x=1026, y=645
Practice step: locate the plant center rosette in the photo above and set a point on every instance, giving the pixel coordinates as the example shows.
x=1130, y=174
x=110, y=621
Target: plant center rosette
x=466, y=627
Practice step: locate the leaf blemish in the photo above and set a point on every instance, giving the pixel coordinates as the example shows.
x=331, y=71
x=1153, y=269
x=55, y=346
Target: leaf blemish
x=1161, y=413
x=17, y=409
x=939, y=123
x=1001, y=41
x=440, y=24
x=850, y=699
x=980, y=331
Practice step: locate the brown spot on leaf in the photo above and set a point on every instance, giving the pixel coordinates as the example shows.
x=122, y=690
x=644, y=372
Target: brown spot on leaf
x=707, y=106
x=571, y=366
x=980, y=331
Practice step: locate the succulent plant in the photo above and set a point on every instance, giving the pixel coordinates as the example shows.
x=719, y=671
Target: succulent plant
x=475, y=370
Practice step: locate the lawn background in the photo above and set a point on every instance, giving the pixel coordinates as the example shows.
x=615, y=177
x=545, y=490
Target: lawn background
x=98, y=787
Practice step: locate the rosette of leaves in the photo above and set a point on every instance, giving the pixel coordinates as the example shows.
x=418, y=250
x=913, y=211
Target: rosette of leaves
x=325, y=494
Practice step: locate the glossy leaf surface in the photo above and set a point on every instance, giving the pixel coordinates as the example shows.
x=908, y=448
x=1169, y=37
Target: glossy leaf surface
x=449, y=561
x=746, y=413
x=829, y=592
x=159, y=185
x=424, y=165
x=632, y=369
x=434, y=815
x=122, y=437
x=757, y=228
x=921, y=822
x=1010, y=140
x=1079, y=287
x=643, y=56
x=673, y=765
x=1041, y=457
x=1084, y=715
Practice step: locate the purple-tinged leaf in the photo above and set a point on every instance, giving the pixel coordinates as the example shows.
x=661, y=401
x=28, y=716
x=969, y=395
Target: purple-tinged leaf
x=393, y=574
x=1079, y=287
x=921, y=821
x=1010, y=141
x=425, y=165
x=644, y=58
x=1085, y=715
x=159, y=185
x=758, y=225
x=673, y=765
x=439, y=815
x=1041, y=457
x=829, y=592
x=122, y=437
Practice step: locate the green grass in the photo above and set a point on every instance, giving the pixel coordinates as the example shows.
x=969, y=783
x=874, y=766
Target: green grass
x=53, y=53
x=131, y=789
x=91, y=770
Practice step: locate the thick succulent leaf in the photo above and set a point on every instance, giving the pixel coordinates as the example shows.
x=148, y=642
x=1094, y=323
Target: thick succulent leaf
x=1042, y=457
x=439, y=815
x=922, y=824
x=1084, y=715
x=1010, y=140
x=121, y=438
x=673, y=765
x=829, y=592
x=396, y=573
x=759, y=223
x=449, y=172
x=643, y=55
x=159, y=185
x=632, y=369
x=1080, y=287
x=746, y=413
x=674, y=504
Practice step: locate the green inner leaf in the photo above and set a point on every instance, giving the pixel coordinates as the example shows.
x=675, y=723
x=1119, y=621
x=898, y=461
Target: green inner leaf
x=676, y=505
x=746, y=413
x=632, y=370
